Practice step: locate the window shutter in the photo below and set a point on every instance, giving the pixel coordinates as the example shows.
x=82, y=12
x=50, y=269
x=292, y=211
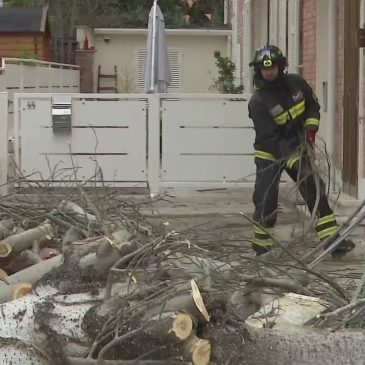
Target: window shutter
x=174, y=57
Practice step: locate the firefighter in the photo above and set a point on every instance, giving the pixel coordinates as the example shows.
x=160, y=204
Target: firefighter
x=285, y=113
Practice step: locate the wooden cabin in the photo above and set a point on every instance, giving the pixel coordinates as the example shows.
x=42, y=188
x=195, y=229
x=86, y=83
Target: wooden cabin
x=25, y=33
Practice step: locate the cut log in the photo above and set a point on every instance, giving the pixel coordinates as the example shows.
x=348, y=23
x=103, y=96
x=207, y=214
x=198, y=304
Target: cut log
x=34, y=273
x=203, y=270
x=197, y=350
x=76, y=212
x=5, y=250
x=15, y=291
x=188, y=301
x=6, y=225
x=171, y=326
x=110, y=243
x=15, y=244
x=21, y=290
x=109, y=250
x=3, y=274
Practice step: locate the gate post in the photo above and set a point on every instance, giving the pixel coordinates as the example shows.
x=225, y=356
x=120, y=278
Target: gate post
x=153, y=152
x=3, y=143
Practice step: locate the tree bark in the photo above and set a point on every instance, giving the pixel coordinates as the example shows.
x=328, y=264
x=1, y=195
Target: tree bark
x=304, y=346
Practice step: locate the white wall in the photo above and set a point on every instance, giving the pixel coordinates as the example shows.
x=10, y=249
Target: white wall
x=197, y=61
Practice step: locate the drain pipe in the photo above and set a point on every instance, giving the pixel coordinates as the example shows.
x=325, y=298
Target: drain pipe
x=332, y=68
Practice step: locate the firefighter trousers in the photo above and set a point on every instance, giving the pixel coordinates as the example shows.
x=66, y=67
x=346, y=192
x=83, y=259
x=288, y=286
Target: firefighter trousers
x=265, y=198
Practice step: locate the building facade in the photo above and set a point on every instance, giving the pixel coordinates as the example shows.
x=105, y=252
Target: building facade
x=323, y=42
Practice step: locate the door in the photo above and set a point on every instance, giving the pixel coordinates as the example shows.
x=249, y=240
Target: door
x=351, y=98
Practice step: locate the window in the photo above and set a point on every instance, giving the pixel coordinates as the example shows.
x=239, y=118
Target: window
x=174, y=57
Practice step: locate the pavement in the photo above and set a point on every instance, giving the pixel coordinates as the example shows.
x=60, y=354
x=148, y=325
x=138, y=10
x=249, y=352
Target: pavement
x=214, y=214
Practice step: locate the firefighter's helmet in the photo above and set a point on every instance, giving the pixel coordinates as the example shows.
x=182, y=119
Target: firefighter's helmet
x=268, y=56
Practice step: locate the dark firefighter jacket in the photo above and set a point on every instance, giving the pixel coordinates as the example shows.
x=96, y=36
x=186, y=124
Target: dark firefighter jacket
x=280, y=112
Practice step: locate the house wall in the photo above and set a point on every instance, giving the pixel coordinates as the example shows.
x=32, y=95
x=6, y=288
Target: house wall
x=25, y=46
x=309, y=20
x=197, y=61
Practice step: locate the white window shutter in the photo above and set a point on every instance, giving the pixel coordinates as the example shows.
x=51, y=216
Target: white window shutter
x=174, y=57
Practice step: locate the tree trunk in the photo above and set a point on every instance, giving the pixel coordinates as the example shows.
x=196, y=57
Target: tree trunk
x=304, y=346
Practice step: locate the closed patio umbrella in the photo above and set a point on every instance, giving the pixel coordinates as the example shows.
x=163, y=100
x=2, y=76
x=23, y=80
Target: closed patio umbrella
x=157, y=70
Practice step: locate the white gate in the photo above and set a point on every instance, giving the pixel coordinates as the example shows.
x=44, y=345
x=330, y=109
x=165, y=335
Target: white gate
x=207, y=139
x=197, y=140
x=106, y=141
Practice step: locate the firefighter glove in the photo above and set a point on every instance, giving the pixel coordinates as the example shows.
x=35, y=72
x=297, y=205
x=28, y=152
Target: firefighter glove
x=310, y=136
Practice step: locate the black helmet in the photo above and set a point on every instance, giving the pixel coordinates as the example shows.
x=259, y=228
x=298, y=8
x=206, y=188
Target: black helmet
x=268, y=56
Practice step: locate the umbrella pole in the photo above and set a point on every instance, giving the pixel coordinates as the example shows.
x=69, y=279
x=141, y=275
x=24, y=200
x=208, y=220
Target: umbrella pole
x=154, y=36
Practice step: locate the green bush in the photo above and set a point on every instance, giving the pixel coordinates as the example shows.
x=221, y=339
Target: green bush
x=225, y=83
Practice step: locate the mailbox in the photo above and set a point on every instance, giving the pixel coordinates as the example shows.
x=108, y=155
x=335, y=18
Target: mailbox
x=61, y=113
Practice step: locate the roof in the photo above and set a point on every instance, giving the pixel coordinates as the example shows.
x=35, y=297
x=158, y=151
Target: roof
x=21, y=20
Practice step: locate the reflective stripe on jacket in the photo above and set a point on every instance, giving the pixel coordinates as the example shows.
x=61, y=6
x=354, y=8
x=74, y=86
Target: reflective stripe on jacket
x=280, y=114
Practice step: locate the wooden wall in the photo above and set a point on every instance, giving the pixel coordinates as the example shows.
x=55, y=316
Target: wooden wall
x=25, y=46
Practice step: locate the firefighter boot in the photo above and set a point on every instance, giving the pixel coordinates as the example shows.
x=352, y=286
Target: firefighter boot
x=345, y=246
x=260, y=250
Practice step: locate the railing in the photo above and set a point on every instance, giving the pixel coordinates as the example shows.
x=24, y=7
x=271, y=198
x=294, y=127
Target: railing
x=28, y=75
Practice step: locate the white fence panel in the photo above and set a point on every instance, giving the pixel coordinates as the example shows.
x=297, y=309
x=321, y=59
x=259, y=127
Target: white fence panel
x=107, y=141
x=27, y=75
x=207, y=140
x=32, y=76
